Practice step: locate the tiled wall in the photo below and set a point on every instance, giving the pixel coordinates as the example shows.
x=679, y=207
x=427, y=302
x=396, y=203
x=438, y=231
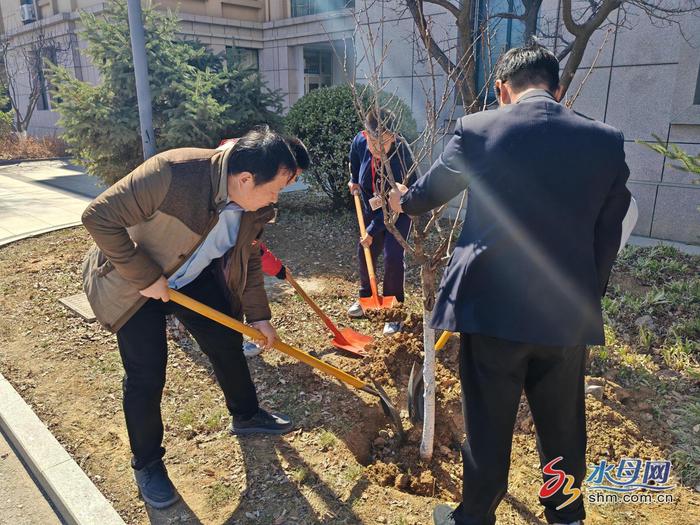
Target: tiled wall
x=643, y=83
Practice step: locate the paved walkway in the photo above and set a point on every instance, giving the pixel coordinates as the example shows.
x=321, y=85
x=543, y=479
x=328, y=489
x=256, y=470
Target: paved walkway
x=37, y=197
x=21, y=501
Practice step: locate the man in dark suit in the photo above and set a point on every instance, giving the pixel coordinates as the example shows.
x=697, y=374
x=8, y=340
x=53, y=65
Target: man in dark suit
x=523, y=286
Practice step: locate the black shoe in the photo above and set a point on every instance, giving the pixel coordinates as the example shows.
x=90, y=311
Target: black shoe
x=263, y=422
x=155, y=486
x=443, y=515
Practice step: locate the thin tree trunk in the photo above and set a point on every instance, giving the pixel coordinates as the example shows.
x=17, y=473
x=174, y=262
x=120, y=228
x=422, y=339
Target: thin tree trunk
x=428, y=437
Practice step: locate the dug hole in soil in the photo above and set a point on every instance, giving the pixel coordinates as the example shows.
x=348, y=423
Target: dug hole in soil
x=393, y=462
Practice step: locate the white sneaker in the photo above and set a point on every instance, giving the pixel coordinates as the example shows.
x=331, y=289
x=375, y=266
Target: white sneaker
x=251, y=349
x=355, y=311
x=391, y=328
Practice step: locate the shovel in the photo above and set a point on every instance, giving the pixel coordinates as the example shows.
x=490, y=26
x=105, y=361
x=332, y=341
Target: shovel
x=346, y=339
x=297, y=354
x=375, y=302
x=415, y=383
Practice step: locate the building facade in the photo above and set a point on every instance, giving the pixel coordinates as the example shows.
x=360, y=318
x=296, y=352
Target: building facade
x=640, y=76
x=297, y=45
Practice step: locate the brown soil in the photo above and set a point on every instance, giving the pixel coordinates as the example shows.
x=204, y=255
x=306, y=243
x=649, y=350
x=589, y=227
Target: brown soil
x=344, y=463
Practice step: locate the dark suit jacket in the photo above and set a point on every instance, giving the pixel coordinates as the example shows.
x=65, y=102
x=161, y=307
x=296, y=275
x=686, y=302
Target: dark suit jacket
x=546, y=201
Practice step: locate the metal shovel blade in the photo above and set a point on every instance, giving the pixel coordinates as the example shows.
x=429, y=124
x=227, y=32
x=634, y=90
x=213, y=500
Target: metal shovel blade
x=377, y=302
x=389, y=409
x=351, y=341
x=415, y=394
x=345, y=339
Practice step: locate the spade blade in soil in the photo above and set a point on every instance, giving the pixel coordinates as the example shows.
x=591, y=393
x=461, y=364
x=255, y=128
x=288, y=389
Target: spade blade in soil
x=351, y=341
x=389, y=410
x=377, y=302
x=415, y=394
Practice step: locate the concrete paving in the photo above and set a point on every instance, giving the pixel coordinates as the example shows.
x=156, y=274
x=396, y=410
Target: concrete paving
x=37, y=197
x=21, y=501
x=690, y=249
x=76, y=499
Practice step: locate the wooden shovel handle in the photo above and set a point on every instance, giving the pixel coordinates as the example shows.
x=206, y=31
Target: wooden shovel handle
x=311, y=303
x=368, y=254
x=251, y=332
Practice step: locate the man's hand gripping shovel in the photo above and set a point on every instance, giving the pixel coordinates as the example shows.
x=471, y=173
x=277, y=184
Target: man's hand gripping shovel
x=376, y=301
x=221, y=318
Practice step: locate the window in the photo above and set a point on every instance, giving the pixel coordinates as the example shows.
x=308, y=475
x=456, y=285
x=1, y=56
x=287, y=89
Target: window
x=318, y=68
x=44, y=86
x=313, y=7
x=246, y=57
x=501, y=35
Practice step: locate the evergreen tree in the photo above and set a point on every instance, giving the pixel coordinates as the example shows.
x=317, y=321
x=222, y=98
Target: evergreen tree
x=5, y=109
x=198, y=98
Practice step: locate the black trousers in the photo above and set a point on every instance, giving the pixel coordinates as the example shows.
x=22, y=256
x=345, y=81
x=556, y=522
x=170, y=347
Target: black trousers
x=493, y=373
x=144, y=351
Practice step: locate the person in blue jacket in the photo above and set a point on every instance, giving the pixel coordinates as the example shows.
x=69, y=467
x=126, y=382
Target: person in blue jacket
x=366, y=172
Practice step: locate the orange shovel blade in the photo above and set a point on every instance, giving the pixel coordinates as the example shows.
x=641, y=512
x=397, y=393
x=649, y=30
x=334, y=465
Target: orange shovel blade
x=377, y=302
x=351, y=341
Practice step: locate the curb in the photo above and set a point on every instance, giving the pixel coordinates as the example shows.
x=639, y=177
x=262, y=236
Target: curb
x=689, y=249
x=36, y=233
x=9, y=162
x=77, y=499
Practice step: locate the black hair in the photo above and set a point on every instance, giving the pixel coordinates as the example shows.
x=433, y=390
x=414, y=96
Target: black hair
x=263, y=153
x=527, y=66
x=301, y=154
x=386, y=118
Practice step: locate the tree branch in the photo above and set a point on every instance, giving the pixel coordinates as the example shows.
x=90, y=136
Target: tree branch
x=566, y=14
x=416, y=8
x=510, y=16
x=445, y=4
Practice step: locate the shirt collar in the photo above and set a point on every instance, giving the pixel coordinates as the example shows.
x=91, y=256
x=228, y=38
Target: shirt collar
x=536, y=93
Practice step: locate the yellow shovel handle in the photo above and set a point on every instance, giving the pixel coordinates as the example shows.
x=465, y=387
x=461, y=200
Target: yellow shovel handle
x=251, y=332
x=443, y=340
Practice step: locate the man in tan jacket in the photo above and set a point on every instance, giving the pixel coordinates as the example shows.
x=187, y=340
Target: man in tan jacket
x=166, y=225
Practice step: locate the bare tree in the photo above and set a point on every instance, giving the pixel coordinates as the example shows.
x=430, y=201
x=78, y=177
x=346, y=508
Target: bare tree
x=445, y=96
x=432, y=234
x=24, y=58
x=580, y=18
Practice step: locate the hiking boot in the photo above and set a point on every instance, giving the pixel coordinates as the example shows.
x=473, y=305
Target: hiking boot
x=155, y=486
x=251, y=349
x=444, y=515
x=263, y=422
x=391, y=328
x=355, y=311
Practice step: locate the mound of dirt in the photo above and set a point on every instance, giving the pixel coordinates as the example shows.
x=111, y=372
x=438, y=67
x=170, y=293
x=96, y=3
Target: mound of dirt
x=612, y=430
